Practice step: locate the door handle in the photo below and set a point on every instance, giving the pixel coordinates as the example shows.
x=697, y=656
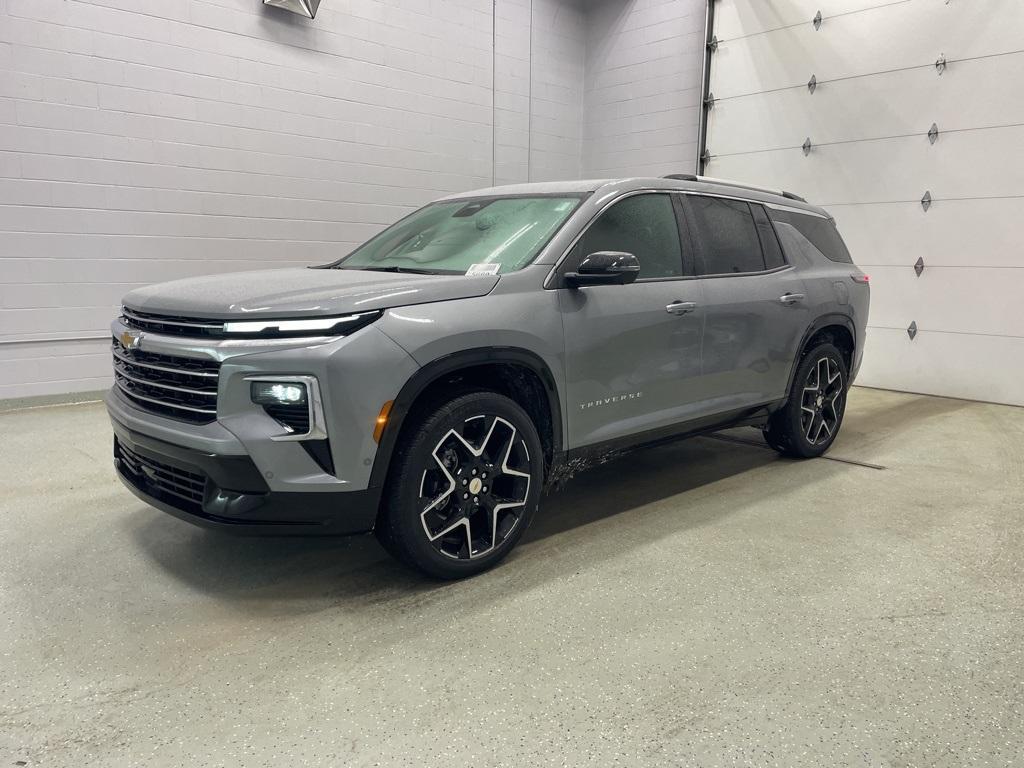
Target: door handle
x=790, y=299
x=681, y=307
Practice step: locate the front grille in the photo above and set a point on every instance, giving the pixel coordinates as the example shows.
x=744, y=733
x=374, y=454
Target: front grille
x=172, y=325
x=182, y=388
x=185, y=489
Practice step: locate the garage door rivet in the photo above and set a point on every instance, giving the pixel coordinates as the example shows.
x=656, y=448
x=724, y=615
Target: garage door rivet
x=919, y=266
x=933, y=133
x=817, y=20
x=912, y=329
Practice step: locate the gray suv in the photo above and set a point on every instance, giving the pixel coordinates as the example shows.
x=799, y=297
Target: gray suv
x=428, y=385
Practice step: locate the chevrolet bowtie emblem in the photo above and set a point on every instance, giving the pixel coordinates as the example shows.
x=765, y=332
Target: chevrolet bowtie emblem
x=130, y=340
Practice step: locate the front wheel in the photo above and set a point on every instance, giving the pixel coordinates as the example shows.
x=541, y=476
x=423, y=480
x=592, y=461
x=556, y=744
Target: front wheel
x=809, y=421
x=466, y=481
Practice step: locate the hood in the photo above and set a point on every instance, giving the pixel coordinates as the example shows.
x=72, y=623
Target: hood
x=301, y=292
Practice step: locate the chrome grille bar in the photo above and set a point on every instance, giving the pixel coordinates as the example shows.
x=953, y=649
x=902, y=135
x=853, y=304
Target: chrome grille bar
x=163, y=368
x=212, y=412
x=148, y=383
x=183, y=388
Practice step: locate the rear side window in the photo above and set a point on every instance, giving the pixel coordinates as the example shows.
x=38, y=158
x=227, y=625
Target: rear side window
x=821, y=232
x=727, y=236
x=644, y=225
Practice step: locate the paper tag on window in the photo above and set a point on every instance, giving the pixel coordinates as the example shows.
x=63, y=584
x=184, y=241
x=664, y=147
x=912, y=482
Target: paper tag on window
x=483, y=269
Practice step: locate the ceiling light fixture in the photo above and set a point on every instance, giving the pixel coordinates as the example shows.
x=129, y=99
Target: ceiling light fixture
x=302, y=7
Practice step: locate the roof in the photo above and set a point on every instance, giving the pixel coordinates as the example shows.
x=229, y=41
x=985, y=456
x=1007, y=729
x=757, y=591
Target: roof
x=683, y=182
x=535, y=188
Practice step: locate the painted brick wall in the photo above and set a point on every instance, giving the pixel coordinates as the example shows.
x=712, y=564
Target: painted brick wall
x=540, y=52
x=147, y=140
x=643, y=87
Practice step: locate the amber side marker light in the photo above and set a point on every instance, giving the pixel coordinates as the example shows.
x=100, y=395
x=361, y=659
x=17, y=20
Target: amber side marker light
x=382, y=420
x=860, y=278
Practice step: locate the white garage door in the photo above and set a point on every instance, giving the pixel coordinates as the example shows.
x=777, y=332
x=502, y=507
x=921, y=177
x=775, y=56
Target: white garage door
x=885, y=72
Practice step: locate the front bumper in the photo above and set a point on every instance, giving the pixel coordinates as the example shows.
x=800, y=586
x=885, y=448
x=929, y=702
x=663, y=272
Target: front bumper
x=229, y=492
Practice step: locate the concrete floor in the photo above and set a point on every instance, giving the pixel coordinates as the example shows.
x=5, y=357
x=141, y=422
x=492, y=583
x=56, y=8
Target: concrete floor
x=700, y=604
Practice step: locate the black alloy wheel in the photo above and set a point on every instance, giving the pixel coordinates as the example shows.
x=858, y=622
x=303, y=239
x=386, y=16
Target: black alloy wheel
x=464, y=486
x=808, y=423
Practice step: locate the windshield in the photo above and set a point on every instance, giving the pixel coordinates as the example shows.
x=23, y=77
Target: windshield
x=487, y=236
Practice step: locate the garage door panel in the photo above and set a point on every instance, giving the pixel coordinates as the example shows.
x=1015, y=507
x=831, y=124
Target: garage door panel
x=891, y=37
x=950, y=299
x=899, y=103
x=983, y=233
x=967, y=164
x=737, y=19
x=870, y=163
x=987, y=368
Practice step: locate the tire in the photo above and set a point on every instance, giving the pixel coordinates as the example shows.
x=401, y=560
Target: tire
x=465, y=484
x=808, y=423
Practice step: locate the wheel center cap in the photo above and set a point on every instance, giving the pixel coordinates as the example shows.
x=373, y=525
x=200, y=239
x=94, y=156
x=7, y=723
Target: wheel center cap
x=475, y=485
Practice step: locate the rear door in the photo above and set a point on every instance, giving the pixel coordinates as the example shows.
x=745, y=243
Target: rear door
x=632, y=352
x=755, y=310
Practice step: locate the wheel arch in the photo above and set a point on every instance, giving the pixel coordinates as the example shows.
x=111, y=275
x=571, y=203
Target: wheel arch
x=835, y=327
x=471, y=367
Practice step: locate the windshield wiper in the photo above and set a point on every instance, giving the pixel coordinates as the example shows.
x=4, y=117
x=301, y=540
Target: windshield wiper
x=404, y=270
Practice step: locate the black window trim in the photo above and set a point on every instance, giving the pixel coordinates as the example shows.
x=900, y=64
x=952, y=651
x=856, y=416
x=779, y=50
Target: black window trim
x=761, y=235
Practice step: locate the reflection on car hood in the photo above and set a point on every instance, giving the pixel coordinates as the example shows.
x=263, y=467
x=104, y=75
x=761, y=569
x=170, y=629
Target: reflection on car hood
x=302, y=292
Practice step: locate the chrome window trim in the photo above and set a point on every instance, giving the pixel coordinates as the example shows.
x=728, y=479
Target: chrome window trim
x=790, y=209
x=317, y=419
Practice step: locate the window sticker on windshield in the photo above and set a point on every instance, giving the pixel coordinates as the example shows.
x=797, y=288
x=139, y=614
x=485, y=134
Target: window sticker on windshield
x=483, y=269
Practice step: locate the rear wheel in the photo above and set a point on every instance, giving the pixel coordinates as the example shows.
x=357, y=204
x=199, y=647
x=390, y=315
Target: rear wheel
x=465, y=484
x=809, y=421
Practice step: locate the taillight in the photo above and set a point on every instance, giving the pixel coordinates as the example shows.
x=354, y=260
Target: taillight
x=860, y=278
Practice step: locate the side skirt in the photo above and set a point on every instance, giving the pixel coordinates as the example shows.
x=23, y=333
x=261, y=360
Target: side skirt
x=577, y=459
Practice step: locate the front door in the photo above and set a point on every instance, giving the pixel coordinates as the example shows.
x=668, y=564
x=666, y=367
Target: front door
x=632, y=352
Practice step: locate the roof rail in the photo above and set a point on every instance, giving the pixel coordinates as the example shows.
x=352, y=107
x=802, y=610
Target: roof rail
x=730, y=183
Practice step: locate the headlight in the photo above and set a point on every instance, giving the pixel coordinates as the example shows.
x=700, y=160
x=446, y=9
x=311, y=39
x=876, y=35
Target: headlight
x=316, y=326
x=278, y=393
x=294, y=402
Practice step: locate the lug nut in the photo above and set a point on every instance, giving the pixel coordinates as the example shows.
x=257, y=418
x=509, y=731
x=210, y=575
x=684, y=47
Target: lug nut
x=465, y=495
x=476, y=500
x=474, y=471
x=485, y=489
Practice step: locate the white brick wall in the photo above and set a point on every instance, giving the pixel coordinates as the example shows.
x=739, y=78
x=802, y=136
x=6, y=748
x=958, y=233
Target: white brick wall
x=146, y=140
x=643, y=88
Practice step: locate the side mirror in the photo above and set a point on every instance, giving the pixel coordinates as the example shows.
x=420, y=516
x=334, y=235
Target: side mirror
x=604, y=268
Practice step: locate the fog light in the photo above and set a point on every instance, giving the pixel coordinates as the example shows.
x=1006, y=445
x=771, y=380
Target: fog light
x=278, y=393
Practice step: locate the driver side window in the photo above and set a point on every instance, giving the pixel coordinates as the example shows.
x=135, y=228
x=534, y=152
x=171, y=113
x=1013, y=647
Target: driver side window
x=644, y=225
